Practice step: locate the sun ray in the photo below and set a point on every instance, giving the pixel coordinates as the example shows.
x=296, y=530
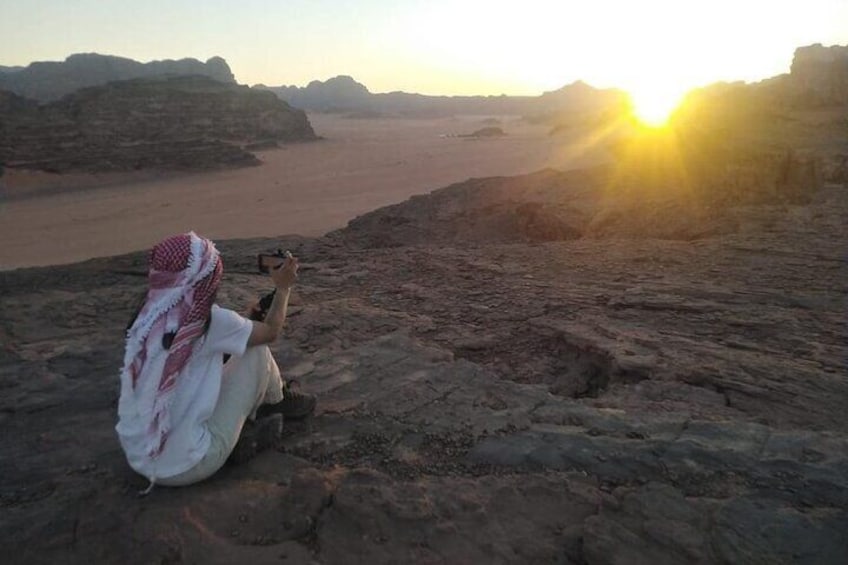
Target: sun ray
x=593, y=138
x=653, y=104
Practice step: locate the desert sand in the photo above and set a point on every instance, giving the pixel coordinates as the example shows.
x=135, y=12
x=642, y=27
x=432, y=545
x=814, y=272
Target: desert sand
x=306, y=189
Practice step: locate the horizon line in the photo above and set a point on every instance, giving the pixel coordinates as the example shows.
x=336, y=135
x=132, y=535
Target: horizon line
x=398, y=91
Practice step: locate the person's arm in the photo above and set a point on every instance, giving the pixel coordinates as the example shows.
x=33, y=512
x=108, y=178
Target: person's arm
x=269, y=329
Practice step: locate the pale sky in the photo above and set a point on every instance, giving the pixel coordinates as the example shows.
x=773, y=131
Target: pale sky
x=438, y=46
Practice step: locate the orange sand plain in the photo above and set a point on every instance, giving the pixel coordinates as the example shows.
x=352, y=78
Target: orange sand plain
x=307, y=189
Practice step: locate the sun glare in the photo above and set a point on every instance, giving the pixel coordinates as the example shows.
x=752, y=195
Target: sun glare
x=654, y=107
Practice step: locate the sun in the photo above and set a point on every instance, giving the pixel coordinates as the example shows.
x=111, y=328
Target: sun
x=653, y=105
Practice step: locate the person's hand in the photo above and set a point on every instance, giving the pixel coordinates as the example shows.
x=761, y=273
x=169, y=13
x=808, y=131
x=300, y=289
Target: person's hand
x=285, y=275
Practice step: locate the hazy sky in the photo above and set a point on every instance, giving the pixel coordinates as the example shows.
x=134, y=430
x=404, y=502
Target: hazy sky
x=438, y=46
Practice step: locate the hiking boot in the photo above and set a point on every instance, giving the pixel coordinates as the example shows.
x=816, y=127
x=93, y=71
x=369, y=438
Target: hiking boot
x=256, y=437
x=295, y=405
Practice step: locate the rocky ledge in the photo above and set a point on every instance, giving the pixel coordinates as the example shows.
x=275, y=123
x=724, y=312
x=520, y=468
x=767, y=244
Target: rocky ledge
x=592, y=400
x=171, y=123
x=627, y=199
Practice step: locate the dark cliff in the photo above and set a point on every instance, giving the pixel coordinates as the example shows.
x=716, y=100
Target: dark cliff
x=50, y=80
x=821, y=73
x=165, y=123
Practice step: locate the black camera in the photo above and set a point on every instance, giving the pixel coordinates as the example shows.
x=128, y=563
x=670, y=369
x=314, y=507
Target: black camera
x=267, y=261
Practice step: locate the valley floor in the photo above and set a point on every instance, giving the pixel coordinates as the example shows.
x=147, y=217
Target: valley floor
x=307, y=188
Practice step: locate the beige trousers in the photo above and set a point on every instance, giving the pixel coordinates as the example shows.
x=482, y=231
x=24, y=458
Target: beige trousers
x=248, y=382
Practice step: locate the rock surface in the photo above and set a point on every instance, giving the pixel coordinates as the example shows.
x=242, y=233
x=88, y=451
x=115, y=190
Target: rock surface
x=50, y=80
x=489, y=131
x=821, y=73
x=625, y=199
x=170, y=123
x=592, y=400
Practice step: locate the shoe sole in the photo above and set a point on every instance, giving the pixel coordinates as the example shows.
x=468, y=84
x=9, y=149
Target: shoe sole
x=264, y=435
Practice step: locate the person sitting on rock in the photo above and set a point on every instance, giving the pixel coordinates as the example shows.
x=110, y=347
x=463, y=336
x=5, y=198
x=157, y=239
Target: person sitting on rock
x=183, y=411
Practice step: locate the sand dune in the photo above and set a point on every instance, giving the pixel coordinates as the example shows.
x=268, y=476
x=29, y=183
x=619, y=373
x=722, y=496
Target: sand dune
x=305, y=189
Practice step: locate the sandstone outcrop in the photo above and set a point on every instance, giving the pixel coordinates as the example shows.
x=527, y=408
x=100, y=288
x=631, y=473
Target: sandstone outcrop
x=821, y=73
x=51, y=80
x=818, y=81
x=488, y=131
x=628, y=199
x=340, y=93
x=598, y=400
x=173, y=123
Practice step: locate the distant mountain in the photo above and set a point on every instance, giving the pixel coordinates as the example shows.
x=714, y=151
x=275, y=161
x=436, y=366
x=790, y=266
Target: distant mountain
x=10, y=69
x=339, y=93
x=578, y=96
x=173, y=123
x=46, y=81
x=344, y=94
x=819, y=76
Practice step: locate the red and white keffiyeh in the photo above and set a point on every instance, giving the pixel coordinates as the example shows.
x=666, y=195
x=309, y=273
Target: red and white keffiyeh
x=185, y=271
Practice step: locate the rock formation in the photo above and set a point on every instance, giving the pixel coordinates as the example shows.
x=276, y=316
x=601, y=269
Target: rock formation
x=625, y=199
x=589, y=401
x=166, y=123
x=46, y=81
x=818, y=79
x=577, y=98
x=638, y=364
x=344, y=94
x=488, y=131
x=340, y=93
x=821, y=73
